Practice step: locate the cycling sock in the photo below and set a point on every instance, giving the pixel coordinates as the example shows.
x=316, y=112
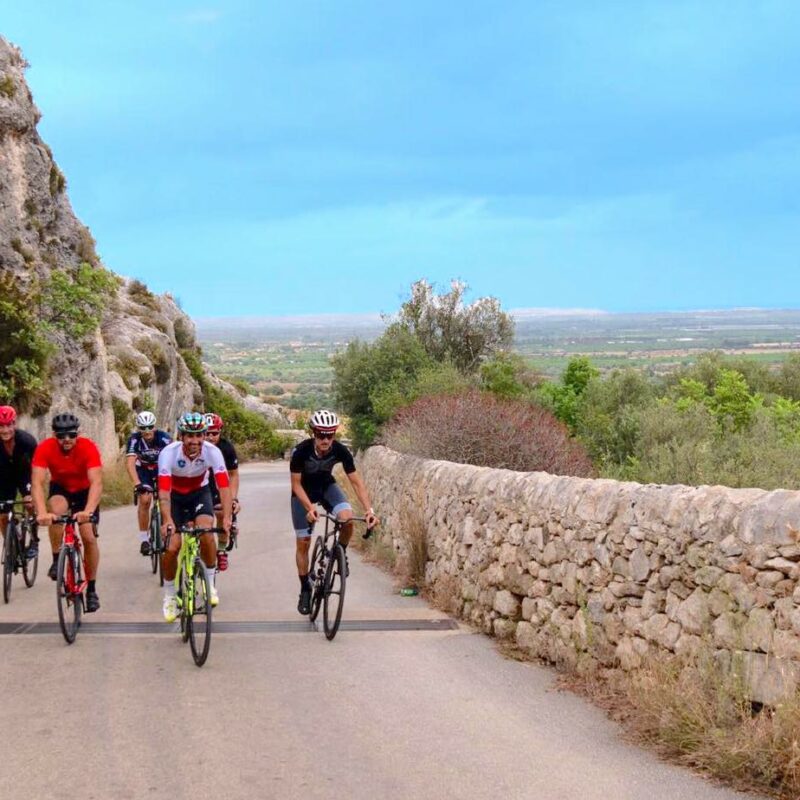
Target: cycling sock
x=169, y=589
x=144, y=536
x=55, y=558
x=305, y=583
x=91, y=587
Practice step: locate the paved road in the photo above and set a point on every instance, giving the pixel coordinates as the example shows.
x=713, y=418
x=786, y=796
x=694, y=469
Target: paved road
x=374, y=714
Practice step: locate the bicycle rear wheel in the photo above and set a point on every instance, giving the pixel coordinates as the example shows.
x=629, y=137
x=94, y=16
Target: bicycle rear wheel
x=70, y=604
x=9, y=558
x=199, y=620
x=317, y=567
x=155, y=549
x=30, y=566
x=333, y=603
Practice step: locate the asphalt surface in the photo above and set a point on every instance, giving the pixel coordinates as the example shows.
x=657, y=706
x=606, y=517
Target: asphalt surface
x=280, y=712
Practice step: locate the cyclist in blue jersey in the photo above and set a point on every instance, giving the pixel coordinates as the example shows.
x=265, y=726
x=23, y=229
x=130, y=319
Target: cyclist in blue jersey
x=141, y=460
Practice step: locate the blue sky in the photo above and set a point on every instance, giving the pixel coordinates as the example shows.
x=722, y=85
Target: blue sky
x=263, y=158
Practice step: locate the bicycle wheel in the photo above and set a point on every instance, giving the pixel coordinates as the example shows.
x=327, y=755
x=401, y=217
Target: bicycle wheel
x=186, y=601
x=9, y=557
x=70, y=604
x=30, y=566
x=317, y=567
x=333, y=603
x=199, y=621
x=155, y=550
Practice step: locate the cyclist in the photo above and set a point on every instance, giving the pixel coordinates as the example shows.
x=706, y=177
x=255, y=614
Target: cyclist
x=141, y=461
x=76, y=484
x=16, y=452
x=185, y=496
x=214, y=435
x=311, y=468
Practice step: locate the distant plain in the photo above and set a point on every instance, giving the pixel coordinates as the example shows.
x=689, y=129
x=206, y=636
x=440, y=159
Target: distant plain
x=288, y=358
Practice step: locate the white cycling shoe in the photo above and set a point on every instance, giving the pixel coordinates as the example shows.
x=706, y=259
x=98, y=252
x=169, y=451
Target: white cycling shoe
x=214, y=596
x=170, y=608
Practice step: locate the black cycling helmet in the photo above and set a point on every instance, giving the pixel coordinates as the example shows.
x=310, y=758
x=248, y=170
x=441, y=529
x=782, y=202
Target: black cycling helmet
x=65, y=423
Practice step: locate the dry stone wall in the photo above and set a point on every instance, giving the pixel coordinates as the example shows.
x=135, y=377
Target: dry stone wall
x=575, y=569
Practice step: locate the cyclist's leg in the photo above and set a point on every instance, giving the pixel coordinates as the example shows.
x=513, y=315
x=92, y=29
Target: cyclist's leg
x=336, y=503
x=56, y=504
x=302, y=538
x=7, y=495
x=145, y=500
x=88, y=532
x=181, y=513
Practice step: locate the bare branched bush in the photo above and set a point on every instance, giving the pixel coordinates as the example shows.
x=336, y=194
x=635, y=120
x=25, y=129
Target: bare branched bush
x=477, y=428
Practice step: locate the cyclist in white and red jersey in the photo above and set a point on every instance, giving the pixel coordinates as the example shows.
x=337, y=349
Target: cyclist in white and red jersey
x=185, y=496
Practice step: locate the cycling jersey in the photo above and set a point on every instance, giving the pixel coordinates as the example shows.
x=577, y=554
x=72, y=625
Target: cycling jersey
x=15, y=467
x=231, y=464
x=69, y=469
x=147, y=452
x=316, y=470
x=180, y=474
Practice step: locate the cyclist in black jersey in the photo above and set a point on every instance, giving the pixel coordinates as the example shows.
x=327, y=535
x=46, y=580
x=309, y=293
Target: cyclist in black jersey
x=141, y=461
x=311, y=467
x=214, y=435
x=16, y=453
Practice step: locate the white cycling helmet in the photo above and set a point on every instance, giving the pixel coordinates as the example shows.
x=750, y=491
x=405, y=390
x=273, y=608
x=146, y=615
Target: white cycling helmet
x=146, y=419
x=324, y=420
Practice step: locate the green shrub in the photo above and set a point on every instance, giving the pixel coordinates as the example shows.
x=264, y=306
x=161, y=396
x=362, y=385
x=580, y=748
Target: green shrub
x=24, y=347
x=57, y=181
x=7, y=87
x=74, y=304
x=155, y=353
x=123, y=419
x=184, y=335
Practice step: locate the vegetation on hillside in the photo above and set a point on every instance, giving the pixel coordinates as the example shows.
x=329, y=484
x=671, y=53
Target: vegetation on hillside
x=35, y=318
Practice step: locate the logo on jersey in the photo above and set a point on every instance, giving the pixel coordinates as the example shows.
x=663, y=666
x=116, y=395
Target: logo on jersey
x=181, y=462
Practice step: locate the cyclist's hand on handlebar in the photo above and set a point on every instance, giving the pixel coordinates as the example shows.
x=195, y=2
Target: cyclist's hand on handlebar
x=237, y=506
x=45, y=519
x=372, y=520
x=167, y=528
x=312, y=516
x=226, y=524
x=83, y=516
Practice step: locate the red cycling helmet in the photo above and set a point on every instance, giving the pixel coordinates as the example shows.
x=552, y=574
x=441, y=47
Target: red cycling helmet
x=7, y=415
x=214, y=422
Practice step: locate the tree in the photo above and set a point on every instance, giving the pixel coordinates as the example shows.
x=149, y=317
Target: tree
x=449, y=330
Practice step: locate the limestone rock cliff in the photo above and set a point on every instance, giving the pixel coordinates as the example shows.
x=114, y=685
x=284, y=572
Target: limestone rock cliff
x=135, y=356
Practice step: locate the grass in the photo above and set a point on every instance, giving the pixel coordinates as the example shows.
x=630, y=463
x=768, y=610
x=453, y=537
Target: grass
x=7, y=87
x=117, y=487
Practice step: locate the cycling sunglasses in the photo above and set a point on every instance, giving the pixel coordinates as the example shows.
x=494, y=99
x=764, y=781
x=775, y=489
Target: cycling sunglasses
x=321, y=435
x=146, y=427
x=67, y=435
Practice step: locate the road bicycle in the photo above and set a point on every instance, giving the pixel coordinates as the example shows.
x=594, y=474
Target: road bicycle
x=329, y=574
x=71, y=582
x=20, y=537
x=193, y=592
x=154, y=528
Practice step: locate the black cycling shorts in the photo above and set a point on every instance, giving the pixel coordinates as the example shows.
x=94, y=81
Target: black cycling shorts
x=76, y=501
x=187, y=508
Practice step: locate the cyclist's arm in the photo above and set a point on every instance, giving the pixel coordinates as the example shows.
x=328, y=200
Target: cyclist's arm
x=299, y=492
x=358, y=484
x=234, y=475
x=38, y=475
x=130, y=465
x=95, y=489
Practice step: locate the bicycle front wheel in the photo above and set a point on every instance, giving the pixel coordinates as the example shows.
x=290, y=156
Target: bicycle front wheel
x=30, y=566
x=333, y=602
x=9, y=557
x=70, y=603
x=199, y=619
x=315, y=573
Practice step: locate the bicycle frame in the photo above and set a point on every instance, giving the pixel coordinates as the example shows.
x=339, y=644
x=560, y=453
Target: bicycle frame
x=189, y=552
x=71, y=540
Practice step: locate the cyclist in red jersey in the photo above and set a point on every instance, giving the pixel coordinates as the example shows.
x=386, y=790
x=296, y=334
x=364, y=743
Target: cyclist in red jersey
x=76, y=484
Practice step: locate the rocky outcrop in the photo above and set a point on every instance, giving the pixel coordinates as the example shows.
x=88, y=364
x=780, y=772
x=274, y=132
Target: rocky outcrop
x=133, y=359
x=575, y=569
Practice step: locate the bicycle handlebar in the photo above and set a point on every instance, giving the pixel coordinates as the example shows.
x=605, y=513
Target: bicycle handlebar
x=333, y=519
x=63, y=519
x=7, y=506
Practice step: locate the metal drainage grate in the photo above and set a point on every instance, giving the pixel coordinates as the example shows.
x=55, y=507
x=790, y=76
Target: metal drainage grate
x=277, y=626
